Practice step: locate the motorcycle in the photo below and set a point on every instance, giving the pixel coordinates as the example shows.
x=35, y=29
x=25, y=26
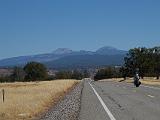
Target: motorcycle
x=137, y=83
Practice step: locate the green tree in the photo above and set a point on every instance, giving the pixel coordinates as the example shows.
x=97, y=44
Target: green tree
x=146, y=60
x=124, y=72
x=156, y=61
x=136, y=59
x=106, y=73
x=63, y=75
x=18, y=74
x=77, y=75
x=35, y=71
x=85, y=74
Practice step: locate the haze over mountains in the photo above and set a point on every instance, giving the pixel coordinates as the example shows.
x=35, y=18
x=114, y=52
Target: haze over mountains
x=64, y=58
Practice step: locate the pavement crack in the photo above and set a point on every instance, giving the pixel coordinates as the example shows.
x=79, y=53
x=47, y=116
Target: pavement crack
x=118, y=105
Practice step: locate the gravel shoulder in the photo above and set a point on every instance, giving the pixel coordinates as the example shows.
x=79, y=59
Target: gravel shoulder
x=68, y=108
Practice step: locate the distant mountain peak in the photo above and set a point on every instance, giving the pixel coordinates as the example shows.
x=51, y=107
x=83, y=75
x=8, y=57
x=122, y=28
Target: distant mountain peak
x=108, y=50
x=62, y=51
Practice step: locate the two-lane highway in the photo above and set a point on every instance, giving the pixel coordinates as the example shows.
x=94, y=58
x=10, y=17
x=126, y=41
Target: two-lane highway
x=119, y=101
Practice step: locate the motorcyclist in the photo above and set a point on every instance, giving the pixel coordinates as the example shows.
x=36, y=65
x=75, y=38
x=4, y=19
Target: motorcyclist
x=136, y=80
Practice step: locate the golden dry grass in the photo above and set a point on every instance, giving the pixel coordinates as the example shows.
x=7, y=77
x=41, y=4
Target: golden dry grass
x=151, y=81
x=24, y=101
x=145, y=80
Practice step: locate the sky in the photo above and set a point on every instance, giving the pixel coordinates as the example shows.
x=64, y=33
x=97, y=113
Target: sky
x=40, y=26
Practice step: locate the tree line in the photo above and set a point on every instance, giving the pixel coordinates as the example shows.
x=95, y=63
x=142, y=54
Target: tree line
x=72, y=74
x=107, y=72
x=145, y=61
x=34, y=71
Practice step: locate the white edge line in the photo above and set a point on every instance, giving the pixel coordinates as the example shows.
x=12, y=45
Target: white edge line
x=103, y=104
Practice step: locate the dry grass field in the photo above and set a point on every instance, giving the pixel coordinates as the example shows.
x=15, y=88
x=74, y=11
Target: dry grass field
x=24, y=101
x=146, y=80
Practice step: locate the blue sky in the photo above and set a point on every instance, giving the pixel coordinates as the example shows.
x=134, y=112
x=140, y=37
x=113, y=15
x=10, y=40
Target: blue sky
x=40, y=26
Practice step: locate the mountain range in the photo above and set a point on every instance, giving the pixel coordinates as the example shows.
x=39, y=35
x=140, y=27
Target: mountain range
x=67, y=58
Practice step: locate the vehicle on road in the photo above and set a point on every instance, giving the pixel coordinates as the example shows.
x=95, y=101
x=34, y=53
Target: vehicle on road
x=137, y=82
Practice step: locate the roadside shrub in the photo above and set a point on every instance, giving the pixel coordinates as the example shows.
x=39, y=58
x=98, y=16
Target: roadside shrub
x=75, y=74
x=35, y=71
x=5, y=79
x=18, y=74
x=108, y=72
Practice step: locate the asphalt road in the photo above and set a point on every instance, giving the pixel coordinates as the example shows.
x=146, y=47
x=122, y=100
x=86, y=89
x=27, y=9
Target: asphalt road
x=119, y=101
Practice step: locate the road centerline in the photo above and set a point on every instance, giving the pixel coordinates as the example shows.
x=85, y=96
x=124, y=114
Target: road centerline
x=151, y=96
x=102, y=103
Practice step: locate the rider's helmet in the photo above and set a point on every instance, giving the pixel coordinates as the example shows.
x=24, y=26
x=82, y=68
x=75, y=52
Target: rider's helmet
x=137, y=74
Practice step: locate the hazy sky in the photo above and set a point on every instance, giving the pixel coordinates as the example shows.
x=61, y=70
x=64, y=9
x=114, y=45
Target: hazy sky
x=40, y=26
